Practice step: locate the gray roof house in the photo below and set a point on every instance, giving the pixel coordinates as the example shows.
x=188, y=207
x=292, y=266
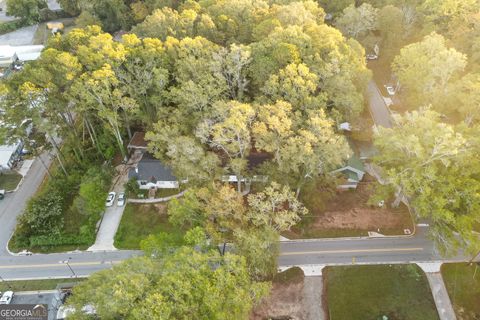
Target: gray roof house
x=152, y=173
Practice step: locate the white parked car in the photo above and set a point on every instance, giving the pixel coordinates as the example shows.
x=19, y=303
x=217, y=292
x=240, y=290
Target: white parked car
x=390, y=90
x=110, y=199
x=7, y=297
x=121, y=199
x=372, y=57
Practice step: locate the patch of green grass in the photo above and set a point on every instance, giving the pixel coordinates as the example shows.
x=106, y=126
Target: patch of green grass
x=163, y=193
x=323, y=233
x=463, y=288
x=34, y=285
x=401, y=292
x=140, y=221
x=9, y=180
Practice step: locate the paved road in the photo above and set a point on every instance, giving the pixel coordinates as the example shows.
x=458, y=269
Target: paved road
x=14, y=203
x=378, y=108
x=361, y=251
x=53, y=265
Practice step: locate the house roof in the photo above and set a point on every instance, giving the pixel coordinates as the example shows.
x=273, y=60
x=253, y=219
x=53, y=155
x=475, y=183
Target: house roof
x=138, y=141
x=356, y=163
x=151, y=169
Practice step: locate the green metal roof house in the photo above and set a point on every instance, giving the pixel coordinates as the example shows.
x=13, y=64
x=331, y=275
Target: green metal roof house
x=353, y=172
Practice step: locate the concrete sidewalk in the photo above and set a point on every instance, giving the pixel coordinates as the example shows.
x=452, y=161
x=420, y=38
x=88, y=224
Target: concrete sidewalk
x=312, y=293
x=440, y=295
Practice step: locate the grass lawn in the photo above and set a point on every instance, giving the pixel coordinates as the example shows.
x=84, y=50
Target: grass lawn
x=141, y=220
x=9, y=180
x=463, y=289
x=33, y=285
x=401, y=292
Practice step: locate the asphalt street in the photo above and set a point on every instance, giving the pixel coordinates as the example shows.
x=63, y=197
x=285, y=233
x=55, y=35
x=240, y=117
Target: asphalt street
x=378, y=108
x=14, y=203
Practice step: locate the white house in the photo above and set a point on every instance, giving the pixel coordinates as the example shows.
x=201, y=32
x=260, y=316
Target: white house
x=9, y=154
x=11, y=54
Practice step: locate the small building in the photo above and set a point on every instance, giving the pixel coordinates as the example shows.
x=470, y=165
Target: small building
x=12, y=54
x=352, y=173
x=152, y=173
x=9, y=154
x=254, y=160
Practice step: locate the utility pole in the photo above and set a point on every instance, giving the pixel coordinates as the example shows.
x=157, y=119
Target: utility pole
x=69, y=267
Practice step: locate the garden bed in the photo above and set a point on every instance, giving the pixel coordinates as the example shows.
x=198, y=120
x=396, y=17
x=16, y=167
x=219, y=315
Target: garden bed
x=400, y=292
x=141, y=220
x=348, y=214
x=463, y=289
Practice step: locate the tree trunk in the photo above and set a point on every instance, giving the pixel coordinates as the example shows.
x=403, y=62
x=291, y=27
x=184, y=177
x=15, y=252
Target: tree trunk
x=127, y=125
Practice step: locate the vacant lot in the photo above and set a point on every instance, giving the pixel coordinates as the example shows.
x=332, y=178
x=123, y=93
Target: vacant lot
x=139, y=221
x=400, y=292
x=463, y=286
x=347, y=213
x=9, y=180
x=286, y=298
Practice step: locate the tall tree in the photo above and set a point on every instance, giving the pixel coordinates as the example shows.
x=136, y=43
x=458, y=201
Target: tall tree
x=182, y=285
x=356, y=22
x=425, y=68
x=430, y=162
x=229, y=133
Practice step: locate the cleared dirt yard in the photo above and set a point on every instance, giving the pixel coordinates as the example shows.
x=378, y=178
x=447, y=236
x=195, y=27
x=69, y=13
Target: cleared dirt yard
x=286, y=298
x=347, y=213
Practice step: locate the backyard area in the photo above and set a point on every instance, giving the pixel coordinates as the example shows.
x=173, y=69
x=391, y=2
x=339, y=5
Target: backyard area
x=463, y=286
x=9, y=180
x=141, y=220
x=286, y=298
x=348, y=214
x=399, y=292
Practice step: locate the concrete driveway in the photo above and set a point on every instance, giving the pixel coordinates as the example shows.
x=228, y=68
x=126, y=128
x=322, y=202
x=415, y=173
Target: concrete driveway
x=20, y=37
x=378, y=108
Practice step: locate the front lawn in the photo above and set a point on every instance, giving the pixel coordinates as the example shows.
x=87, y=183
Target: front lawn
x=140, y=221
x=400, y=292
x=9, y=180
x=463, y=288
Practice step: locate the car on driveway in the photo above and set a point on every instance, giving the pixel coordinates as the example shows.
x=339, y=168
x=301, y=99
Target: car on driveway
x=110, y=199
x=121, y=199
x=372, y=57
x=7, y=297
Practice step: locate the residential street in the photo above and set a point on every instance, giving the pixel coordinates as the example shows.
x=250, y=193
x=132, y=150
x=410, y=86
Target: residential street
x=377, y=106
x=14, y=203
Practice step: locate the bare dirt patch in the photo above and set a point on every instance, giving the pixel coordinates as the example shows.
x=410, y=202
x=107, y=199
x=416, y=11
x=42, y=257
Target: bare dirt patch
x=347, y=213
x=286, y=300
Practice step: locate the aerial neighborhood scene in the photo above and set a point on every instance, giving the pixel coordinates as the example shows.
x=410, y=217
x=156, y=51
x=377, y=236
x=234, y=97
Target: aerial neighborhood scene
x=240, y=159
